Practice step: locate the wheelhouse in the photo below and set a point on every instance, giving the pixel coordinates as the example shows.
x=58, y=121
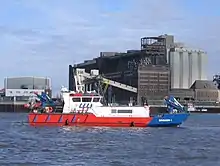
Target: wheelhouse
x=86, y=98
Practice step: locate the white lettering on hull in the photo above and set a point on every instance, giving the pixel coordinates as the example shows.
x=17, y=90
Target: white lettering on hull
x=165, y=120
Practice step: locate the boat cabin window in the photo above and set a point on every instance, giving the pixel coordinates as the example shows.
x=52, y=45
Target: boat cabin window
x=114, y=111
x=86, y=99
x=125, y=111
x=96, y=99
x=76, y=99
x=121, y=111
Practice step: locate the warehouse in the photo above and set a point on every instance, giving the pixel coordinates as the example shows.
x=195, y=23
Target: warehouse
x=23, y=87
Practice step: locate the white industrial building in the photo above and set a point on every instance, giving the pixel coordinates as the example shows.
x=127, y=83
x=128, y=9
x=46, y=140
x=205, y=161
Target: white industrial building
x=24, y=87
x=187, y=65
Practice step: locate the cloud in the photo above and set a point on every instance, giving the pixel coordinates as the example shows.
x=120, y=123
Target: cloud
x=43, y=37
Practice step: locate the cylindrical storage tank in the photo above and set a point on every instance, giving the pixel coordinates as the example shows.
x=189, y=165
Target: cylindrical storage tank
x=204, y=61
x=174, y=59
x=190, y=80
x=185, y=70
x=195, y=66
x=186, y=66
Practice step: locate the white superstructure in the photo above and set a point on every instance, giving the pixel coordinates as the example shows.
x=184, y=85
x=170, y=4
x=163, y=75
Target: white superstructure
x=91, y=103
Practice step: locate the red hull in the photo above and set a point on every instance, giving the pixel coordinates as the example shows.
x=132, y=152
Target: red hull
x=58, y=119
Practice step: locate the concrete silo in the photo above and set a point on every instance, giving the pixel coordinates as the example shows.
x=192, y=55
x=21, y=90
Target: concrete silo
x=187, y=65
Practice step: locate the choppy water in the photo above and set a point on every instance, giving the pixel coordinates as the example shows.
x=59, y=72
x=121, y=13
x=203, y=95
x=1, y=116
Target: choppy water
x=195, y=143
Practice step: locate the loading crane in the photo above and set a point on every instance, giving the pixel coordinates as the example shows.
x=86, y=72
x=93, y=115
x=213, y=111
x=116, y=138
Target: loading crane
x=173, y=105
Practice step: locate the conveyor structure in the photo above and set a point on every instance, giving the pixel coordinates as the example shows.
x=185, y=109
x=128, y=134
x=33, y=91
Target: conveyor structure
x=81, y=77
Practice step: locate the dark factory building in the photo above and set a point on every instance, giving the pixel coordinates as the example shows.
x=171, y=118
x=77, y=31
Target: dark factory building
x=153, y=82
x=145, y=69
x=146, y=74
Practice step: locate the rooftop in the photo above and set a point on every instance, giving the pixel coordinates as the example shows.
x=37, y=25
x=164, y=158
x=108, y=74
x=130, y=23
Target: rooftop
x=204, y=84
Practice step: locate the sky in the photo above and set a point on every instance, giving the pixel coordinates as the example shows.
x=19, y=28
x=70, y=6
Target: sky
x=42, y=37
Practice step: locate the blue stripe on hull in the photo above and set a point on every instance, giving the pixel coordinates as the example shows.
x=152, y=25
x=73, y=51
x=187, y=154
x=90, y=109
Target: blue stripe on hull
x=168, y=120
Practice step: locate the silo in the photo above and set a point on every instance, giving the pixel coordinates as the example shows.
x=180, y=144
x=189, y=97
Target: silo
x=185, y=70
x=195, y=66
x=187, y=65
x=174, y=60
x=204, y=61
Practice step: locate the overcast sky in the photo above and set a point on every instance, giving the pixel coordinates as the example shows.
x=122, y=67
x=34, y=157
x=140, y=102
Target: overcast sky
x=42, y=37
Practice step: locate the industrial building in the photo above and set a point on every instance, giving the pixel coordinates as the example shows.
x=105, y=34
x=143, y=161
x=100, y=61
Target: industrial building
x=125, y=68
x=153, y=82
x=201, y=91
x=18, y=90
x=21, y=88
x=160, y=67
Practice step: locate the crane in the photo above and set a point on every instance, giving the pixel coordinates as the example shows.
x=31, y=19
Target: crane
x=173, y=105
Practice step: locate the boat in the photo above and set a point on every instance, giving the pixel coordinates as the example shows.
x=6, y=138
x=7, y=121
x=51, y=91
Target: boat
x=87, y=109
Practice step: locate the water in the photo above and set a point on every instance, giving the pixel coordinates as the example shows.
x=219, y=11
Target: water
x=195, y=143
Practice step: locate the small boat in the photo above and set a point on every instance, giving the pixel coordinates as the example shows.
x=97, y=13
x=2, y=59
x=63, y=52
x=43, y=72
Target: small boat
x=87, y=109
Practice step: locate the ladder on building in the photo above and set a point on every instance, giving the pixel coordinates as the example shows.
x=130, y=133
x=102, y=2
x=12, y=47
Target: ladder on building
x=80, y=76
